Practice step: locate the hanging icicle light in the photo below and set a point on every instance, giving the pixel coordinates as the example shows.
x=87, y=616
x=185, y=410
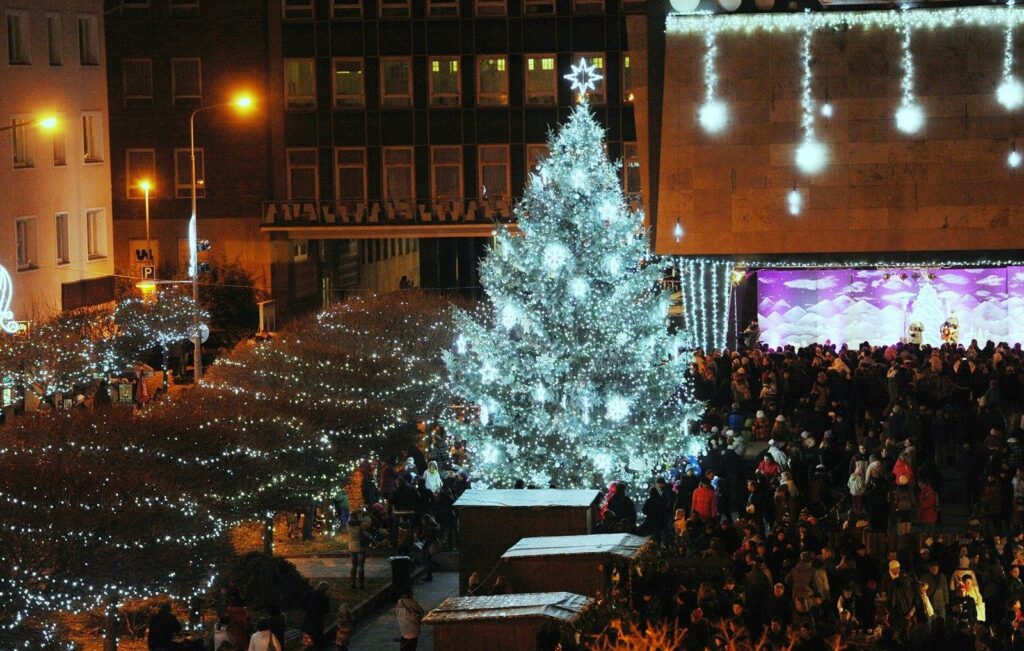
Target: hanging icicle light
x=1010, y=92
x=811, y=155
x=678, y=231
x=1013, y=159
x=909, y=116
x=713, y=114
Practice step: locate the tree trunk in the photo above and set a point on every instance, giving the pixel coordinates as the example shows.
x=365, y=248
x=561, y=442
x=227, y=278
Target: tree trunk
x=268, y=535
x=110, y=624
x=307, y=522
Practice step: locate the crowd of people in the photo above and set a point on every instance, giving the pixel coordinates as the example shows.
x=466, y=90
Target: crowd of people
x=821, y=495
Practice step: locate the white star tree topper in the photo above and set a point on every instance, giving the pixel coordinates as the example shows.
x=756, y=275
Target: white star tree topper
x=584, y=77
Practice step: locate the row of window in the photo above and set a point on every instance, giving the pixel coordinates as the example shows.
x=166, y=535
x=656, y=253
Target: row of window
x=19, y=38
x=378, y=250
x=27, y=239
x=25, y=132
x=350, y=172
x=540, y=81
x=186, y=79
x=303, y=9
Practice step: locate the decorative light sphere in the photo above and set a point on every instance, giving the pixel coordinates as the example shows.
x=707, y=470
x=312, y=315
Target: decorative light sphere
x=1010, y=93
x=713, y=115
x=579, y=288
x=617, y=407
x=811, y=156
x=555, y=255
x=909, y=118
x=826, y=110
x=794, y=201
x=678, y=232
x=1014, y=158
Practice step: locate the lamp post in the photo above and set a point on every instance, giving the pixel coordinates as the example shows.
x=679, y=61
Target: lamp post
x=147, y=285
x=48, y=122
x=243, y=102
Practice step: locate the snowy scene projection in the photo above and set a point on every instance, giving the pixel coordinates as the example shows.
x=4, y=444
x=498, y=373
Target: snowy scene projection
x=850, y=306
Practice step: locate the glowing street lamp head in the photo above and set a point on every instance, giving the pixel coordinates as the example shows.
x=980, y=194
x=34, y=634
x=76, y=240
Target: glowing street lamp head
x=48, y=122
x=145, y=185
x=244, y=102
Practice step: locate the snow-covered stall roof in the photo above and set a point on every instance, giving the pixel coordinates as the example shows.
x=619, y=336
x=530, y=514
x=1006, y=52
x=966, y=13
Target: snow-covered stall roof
x=527, y=498
x=563, y=606
x=620, y=544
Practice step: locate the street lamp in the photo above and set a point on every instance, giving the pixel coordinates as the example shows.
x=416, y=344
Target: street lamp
x=48, y=122
x=147, y=285
x=242, y=103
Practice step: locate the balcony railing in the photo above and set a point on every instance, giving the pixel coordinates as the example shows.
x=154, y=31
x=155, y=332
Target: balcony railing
x=399, y=212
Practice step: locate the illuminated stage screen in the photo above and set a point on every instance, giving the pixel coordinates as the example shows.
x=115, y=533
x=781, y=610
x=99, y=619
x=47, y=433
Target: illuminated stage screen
x=882, y=307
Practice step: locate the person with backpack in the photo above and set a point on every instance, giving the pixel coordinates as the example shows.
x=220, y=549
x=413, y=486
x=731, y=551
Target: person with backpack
x=410, y=615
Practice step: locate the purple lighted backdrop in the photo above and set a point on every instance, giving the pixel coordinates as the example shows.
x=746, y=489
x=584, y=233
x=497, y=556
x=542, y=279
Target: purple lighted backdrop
x=850, y=306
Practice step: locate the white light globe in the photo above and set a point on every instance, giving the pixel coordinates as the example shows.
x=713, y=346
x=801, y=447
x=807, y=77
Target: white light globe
x=794, y=202
x=510, y=315
x=579, y=288
x=1014, y=159
x=827, y=110
x=1010, y=93
x=811, y=156
x=909, y=118
x=713, y=115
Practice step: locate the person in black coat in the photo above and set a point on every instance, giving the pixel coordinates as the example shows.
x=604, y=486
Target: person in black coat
x=318, y=605
x=655, y=515
x=163, y=626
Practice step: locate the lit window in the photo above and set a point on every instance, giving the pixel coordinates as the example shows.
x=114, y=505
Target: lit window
x=88, y=41
x=588, y=6
x=492, y=81
x=17, y=38
x=491, y=8
x=138, y=78
x=627, y=79
x=445, y=81
x=350, y=175
x=140, y=164
x=539, y=7
x=297, y=9
x=541, y=80
x=347, y=9
x=299, y=84
x=394, y=8
x=396, y=81
x=494, y=171
x=303, y=174
x=54, y=39
x=630, y=169
x=96, y=233
x=183, y=173
x=25, y=234
x=186, y=79
x=596, y=59
x=446, y=172
x=63, y=238
x=21, y=141
x=92, y=137
x=398, y=173
x=348, y=83
x=441, y=8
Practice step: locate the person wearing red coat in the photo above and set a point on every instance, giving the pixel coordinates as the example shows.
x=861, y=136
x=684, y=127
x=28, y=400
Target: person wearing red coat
x=704, y=502
x=927, y=507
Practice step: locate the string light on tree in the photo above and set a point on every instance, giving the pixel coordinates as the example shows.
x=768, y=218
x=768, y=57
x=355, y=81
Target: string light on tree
x=583, y=390
x=713, y=114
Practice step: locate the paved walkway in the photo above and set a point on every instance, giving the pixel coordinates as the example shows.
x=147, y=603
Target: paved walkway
x=378, y=632
x=377, y=567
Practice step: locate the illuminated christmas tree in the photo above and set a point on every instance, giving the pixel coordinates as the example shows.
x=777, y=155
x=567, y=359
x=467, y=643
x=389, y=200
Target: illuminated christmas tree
x=572, y=366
